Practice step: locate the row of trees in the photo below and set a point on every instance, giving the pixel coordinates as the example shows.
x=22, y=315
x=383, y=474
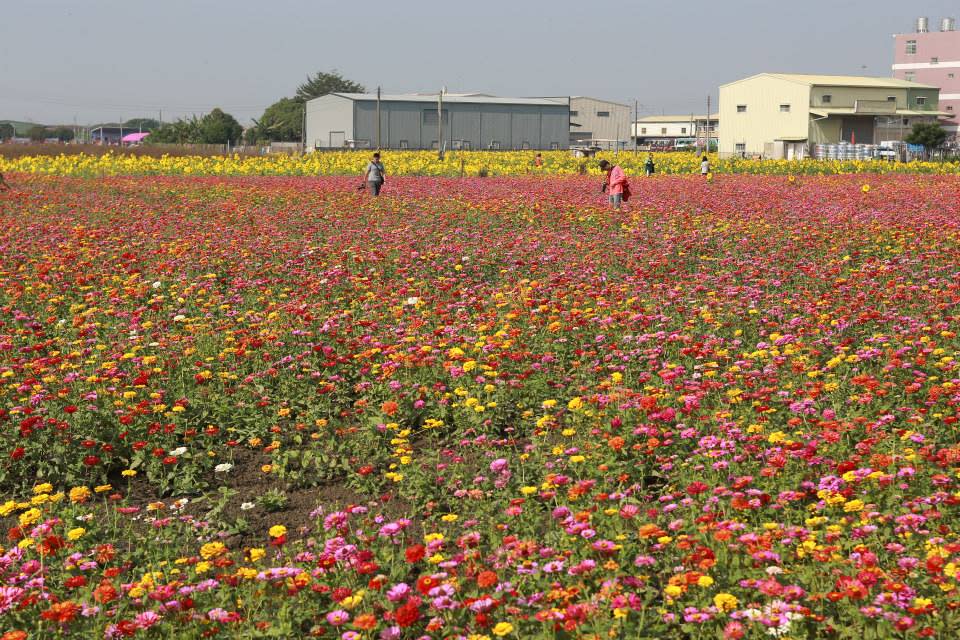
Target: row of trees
x=281, y=122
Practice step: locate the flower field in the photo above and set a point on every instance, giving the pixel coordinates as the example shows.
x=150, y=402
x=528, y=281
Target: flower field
x=272, y=407
x=425, y=163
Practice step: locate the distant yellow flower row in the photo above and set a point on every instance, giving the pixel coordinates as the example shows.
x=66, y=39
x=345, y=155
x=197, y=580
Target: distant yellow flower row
x=426, y=163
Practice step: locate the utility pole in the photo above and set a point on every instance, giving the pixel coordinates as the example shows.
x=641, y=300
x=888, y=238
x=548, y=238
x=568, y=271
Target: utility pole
x=378, y=118
x=440, y=124
x=633, y=125
x=706, y=130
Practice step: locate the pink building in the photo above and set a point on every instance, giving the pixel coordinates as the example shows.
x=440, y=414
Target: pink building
x=932, y=57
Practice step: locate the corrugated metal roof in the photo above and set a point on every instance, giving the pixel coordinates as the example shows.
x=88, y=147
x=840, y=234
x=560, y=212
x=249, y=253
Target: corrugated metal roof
x=452, y=99
x=681, y=118
x=850, y=111
x=841, y=81
x=619, y=104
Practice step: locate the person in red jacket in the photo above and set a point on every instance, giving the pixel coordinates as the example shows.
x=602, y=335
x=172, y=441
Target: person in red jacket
x=615, y=186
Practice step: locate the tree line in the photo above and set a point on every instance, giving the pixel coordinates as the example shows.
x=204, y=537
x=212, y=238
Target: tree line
x=281, y=122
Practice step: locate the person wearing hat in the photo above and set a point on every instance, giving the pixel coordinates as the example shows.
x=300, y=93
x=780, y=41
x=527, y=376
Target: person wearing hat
x=615, y=186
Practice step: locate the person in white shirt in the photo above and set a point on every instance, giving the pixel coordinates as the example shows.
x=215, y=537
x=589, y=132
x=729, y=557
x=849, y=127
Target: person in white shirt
x=374, y=175
x=705, y=166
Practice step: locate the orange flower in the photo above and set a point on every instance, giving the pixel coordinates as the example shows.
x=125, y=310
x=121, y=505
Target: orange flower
x=365, y=621
x=487, y=579
x=389, y=407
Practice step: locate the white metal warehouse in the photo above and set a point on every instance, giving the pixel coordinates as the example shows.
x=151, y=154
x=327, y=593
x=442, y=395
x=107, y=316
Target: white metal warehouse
x=412, y=121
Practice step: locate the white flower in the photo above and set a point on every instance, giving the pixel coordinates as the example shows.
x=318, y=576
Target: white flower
x=179, y=317
x=223, y=467
x=179, y=451
x=412, y=300
x=156, y=285
x=246, y=506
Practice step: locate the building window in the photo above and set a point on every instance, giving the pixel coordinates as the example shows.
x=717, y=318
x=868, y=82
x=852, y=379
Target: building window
x=404, y=144
x=784, y=108
x=663, y=131
x=430, y=116
x=683, y=129
x=911, y=47
x=950, y=75
x=741, y=147
x=554, y=146
x=908, y=76
x=524, y=145
x=826, y=99
x=465, y=145
x=574, y=114
x=891, y=98
x=921, y=101
x=949, y=108
x=741, y=108
x=603, y=114
x=434, y=144
x=934, y=60
x=906, y=122
x=643, y=130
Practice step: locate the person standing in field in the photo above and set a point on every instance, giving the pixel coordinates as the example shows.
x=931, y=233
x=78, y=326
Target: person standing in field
x=648, y=166
x=374, y=175
x=538, y=161
x=705, y=166
x=615, y=185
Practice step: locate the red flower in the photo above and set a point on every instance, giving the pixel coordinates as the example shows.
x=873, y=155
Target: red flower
x=91, y=461
x=407, y=614
x=487, y=579
x=70, y=409
x=415, y=553
x=75, y=582
x=17, y=453
x=389, y=407
x=61, y=612
x=425, y=583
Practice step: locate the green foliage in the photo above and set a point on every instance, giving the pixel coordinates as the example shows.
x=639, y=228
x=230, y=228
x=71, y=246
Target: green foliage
x=930, y=134
x=63, y=134
x=144, y=124
x=326, y=82
x=217, y=127
x=282, y=121
x=37, y=133
x=274, y=500
x=7, y=131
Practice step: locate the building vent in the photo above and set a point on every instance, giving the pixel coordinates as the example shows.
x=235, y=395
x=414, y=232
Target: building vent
x=923, y=25
x=948, y=24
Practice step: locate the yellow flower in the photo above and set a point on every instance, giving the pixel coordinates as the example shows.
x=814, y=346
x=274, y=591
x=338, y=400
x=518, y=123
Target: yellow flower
x=76, y=534
x=103, y=488
x=212, y=550
x=277, y=530
x=853, y=506
x=128, y=473
x=46, y=487
x=704, y=581
x=574, y=404
x=672, y=590
x=29, y=517
x=79, y=495
x=502, y=628
x=725, y=601
x=865, y=188
x=202, y=567
x=256, y=553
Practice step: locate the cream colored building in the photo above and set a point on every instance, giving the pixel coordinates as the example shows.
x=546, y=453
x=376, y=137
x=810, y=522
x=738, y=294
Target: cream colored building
x=665, y=129
x=782, y=115
x=606, y=124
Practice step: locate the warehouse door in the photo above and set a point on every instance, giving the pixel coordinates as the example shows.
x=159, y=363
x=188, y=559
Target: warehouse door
x=858, y=129
x=338, y=138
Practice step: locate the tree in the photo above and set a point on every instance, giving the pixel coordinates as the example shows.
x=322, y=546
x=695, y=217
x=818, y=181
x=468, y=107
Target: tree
x=144, y=124
x=182, y=131
x=37, y=133
x=63, y=134
x=218, y=127
x=7, y=131
x=323, y=83
x=282, y=122
x=930, y=134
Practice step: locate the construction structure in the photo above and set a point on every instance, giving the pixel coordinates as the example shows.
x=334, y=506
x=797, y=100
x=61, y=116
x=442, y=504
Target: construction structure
x=782, y=115
x=438, y=121
x=669, y=132
x=933, y=58
x=597, y=123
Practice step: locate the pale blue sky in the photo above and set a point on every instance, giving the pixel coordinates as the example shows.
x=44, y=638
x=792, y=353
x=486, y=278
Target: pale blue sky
x=96, y=60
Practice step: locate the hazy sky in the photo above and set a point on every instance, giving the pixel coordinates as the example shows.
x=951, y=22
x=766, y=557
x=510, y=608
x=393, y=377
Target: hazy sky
x=97, y=60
